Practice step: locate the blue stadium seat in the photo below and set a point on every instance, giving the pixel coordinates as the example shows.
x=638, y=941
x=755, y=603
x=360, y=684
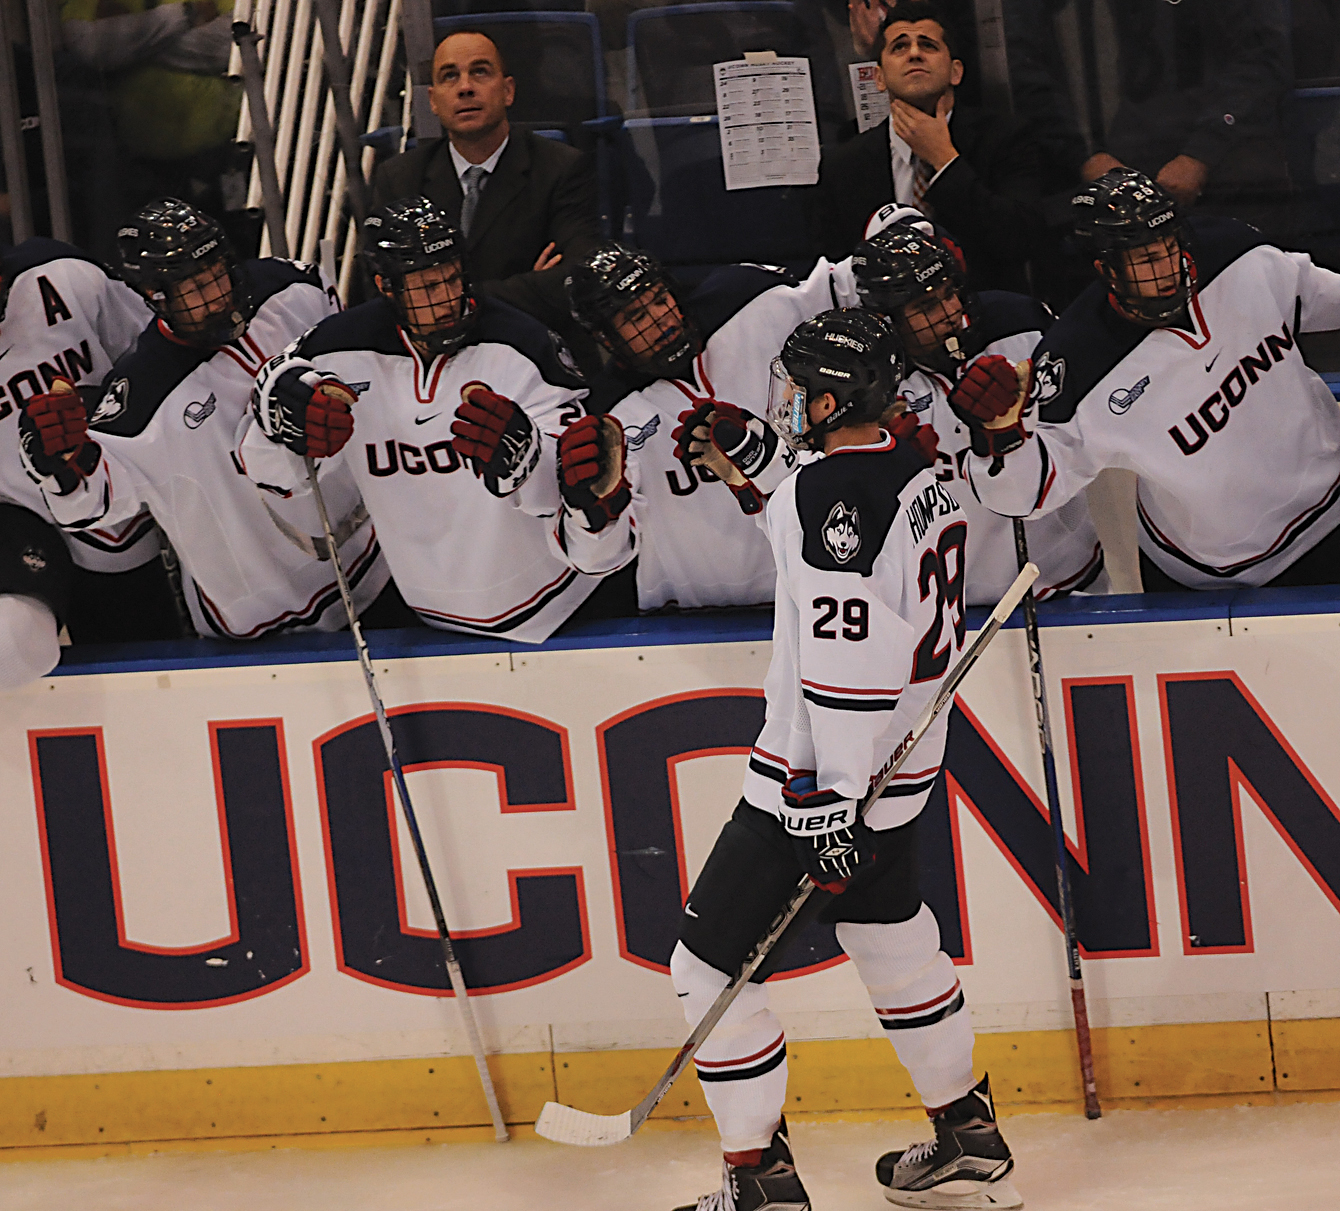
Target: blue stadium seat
x=677, y=206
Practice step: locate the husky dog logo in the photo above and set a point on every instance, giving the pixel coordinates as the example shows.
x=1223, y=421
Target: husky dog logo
x=113, y=403
x=636, y=435
x=842, y=532
x=1048, y=379
x=33, y=559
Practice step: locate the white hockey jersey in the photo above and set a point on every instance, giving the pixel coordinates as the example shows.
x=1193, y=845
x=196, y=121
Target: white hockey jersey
x=63, y=316
x=1235, y=442
x=1063, y=544
x=869, y=618
x=168, y=425
x=697, y=548
x=463, y=558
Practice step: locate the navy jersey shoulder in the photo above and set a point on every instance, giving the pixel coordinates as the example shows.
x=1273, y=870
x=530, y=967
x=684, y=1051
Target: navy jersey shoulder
x=271, y=275
x=847, y=504
x=34, y=560
x=141, y=379
x=613, y=385
x=727, y=291
x=502, y=324
x=1090, y=338
x=38, y=251
x=1002, y=313
x=369, y=326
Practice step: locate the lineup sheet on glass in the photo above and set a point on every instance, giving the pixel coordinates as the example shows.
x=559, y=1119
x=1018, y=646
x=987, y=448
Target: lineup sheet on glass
x=872, y=105
x=769, y=135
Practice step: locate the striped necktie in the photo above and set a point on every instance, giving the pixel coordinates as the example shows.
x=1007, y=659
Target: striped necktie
x=921, y=179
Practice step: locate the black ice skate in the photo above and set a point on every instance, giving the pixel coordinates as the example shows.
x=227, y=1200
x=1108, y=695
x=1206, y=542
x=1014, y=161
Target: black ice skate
x=771, y=1185
x=964, y=1166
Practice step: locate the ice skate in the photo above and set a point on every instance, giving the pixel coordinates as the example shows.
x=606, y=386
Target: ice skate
x=965, y=1166
x=771, y=1185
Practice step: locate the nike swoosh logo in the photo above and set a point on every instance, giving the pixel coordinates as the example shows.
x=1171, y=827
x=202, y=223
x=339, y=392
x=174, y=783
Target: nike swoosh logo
x=423, y=420
x=1210, y=365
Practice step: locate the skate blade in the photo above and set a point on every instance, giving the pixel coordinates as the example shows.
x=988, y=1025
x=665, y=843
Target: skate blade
x=564, y=1125
x=959, y=1196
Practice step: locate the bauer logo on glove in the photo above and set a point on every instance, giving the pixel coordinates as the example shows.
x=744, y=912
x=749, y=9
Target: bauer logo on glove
x=498, y=438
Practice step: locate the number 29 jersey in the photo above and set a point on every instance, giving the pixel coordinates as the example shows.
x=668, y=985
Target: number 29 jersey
x=869, y=617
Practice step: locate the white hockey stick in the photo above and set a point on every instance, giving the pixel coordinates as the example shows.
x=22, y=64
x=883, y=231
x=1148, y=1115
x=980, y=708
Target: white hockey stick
x=564, y=1124
x=454, y=973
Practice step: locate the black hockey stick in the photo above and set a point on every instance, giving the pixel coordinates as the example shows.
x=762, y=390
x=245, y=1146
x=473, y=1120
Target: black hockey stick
x=1067, y=902
x=454, y=972
x=566, y=1125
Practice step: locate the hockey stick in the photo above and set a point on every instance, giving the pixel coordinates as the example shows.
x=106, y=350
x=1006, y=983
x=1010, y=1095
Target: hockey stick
x=564, y=1124
x=454, y=972
x=1077, y=1000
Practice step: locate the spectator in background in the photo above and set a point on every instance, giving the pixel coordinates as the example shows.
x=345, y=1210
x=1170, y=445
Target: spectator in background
x=976, y=174
x=526, y=205
x=1201, y=83
x=865, y=17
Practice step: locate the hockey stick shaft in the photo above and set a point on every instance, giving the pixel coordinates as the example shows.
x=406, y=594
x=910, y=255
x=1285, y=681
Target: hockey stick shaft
x=454, y=973
x=943, y=697
x=1067, y=903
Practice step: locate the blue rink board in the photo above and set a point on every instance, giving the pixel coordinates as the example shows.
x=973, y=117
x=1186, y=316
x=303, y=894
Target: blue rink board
x=725, y=626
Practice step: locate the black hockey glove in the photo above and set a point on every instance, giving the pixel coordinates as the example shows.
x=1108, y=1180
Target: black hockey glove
x=994, y=392
x=832, y=843
x=497, y=437
x=53, y=439
x=591, y=470
x=303, y=409
x=737, y=447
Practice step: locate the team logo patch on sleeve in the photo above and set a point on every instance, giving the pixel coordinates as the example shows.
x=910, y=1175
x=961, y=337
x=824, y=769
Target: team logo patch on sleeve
x=1122, y=398
x=636, y=435
x=113, y=403
x=842, y=532
x=34, y=560
x=1048, y=379
x=199, y=411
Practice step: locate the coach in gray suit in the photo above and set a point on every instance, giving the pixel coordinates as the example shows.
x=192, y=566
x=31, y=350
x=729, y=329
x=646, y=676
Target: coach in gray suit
x=526, y=205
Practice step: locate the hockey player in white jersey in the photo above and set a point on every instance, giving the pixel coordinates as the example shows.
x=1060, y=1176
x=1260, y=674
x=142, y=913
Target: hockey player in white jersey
x=681, y=363
x=1181, y=364
x=164, y=434
x=462, y=404
x=908, y=274
x=869, y=548
x=63, y=320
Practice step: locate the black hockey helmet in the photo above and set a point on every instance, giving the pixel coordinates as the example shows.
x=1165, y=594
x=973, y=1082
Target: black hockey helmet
x=900, y=268
x=1123, y=211
x=853, y=354
x=169, y=243
x=407, y=237
x=616, y=289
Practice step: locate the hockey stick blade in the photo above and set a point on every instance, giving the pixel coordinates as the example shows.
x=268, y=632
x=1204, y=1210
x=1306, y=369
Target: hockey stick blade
x=564, y=1125
x=567, y=1125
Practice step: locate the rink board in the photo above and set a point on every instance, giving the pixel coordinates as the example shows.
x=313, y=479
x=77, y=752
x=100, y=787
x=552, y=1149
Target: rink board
x=215, y=926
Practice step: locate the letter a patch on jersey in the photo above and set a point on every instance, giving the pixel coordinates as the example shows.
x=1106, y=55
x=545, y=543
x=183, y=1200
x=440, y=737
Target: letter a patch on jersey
x=842, y=532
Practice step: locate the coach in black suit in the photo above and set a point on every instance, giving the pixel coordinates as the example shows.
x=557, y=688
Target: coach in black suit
x=526, y=205
x=978, y=175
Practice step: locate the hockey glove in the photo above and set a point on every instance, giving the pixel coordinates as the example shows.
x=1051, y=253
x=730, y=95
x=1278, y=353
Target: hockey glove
x=497, y=437
x=905, y=428
x=992, y=400
x=303, y=409
x=591, y=470
x=832, y=843
x=53, y=439
x=737, y=447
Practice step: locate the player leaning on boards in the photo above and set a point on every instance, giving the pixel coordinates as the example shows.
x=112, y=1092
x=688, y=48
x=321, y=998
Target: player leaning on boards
x=911, y=275
x=63, y=322
x=1181, y=364
x=164, y=431
x=860, y=645
x=681, y=362
x=462, y=409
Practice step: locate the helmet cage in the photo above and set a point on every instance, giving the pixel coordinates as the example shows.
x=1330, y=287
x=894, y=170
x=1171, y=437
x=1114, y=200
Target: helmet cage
x=936, y=335
x=421, y=318
x=207, y=307
x=1173, y=280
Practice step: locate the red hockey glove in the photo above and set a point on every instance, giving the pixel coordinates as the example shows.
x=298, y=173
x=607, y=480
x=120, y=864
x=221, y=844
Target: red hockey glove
x=735, y=446
x=591, y=456
x=905, y=428
x=53, y=438
x=991, y=399
x=299, y=407
x=496, y=436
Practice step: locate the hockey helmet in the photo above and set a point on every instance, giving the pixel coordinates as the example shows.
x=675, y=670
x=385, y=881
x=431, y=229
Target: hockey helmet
x=420, y=258
x=180, y=260
x=1133, y=228
x=852, y=354
x=917, y=280
x=628, y=302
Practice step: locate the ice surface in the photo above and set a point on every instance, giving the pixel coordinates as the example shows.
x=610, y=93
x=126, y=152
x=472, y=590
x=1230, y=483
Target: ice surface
x=1282, y=1158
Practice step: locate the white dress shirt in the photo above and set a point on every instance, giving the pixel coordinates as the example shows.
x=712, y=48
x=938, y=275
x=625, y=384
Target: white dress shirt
x=904, y=174
x=461, y=163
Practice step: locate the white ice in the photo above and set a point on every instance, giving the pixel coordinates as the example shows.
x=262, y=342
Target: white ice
x=1278, y=1158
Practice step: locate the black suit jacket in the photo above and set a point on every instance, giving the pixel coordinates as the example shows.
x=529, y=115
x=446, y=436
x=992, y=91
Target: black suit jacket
x=541, y=191
x=989, y=198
